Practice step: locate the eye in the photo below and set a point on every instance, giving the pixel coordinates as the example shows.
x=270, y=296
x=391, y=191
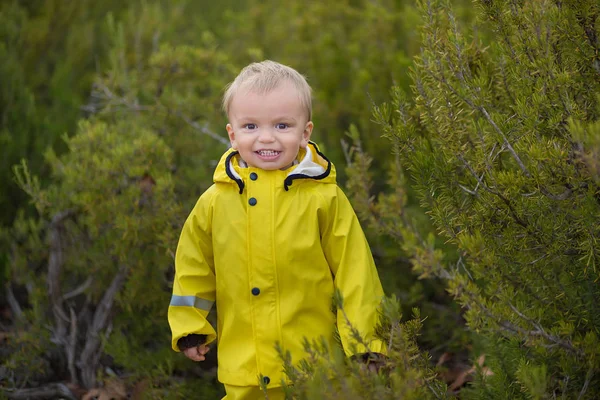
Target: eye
x=250, y=126
x=282, y=126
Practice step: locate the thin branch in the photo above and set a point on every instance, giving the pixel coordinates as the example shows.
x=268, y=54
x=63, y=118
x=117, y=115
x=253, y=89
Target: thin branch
x=72, y=347
x=89, y=355
x=55, y=262
x=432, y=390
x=108, y=95
x=52, y=391
x=203, y=129
x=507, y=89
x=346, y=150
x=505, y=139
x=558, y=197
x=391, y=340
x=586, y=384
x=566, y=382
x=515, y=328
x=13, y=303
x=105, y=93
x=541, y=332
x=80, y=289
x=494, y=192
x=460, y=263
x=469, y=191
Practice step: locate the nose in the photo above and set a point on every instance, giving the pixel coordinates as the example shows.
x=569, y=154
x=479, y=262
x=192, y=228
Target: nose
x=266, y=136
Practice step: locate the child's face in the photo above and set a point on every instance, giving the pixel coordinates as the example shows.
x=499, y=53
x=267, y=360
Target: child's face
x=269, y=129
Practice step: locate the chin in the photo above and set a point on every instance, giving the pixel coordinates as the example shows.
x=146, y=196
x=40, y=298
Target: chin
x=271, y=167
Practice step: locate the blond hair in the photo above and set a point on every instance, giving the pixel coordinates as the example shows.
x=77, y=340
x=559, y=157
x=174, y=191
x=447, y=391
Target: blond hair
x=262, y=77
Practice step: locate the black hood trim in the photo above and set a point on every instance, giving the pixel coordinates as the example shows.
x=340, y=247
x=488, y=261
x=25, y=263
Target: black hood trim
x=239, y=182
x=290, y=178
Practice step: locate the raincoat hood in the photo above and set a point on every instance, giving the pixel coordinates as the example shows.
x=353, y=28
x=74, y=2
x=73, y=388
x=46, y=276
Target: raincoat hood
x=310, y=164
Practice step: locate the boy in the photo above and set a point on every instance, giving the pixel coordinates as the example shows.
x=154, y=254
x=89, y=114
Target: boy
x=270, y=242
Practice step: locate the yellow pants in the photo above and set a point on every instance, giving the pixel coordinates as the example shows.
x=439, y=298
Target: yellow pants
x=252, y=393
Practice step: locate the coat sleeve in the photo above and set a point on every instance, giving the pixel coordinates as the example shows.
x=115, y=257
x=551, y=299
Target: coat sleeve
x=355, y=275
x=194, y=283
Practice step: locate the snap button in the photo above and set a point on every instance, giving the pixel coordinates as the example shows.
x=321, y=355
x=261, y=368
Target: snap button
x=253, y=176
x=252, y=201
x=266, y=380
x=255, y=291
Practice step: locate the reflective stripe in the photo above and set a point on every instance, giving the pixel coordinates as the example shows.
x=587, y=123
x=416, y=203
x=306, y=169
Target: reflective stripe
x=192, y=301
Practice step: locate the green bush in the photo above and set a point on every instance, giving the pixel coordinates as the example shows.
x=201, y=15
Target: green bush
x=500, y=143
x=108, y=219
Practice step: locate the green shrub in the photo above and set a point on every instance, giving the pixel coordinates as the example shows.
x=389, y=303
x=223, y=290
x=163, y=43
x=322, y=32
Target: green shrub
x=108, y=218
x=500, y=143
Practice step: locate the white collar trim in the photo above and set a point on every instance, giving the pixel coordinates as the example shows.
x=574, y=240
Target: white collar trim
x=307, y=166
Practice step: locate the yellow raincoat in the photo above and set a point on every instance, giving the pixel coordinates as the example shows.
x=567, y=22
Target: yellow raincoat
x=270, y=247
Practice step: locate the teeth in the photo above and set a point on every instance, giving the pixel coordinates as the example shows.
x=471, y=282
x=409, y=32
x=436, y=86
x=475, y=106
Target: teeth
x=268, y=153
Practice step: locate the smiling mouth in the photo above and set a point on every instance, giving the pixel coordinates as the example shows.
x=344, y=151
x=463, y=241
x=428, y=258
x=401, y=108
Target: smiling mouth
x=268, y=153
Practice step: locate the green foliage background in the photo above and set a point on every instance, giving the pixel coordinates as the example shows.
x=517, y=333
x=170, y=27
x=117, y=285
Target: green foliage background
x=466, y=134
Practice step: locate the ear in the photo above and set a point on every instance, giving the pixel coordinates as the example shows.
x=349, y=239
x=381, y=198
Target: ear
x=306, y=134
x=231, y=135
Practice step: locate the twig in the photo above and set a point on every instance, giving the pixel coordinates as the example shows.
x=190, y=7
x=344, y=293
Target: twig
x=506, y=201
x=505, y=139
x=203, y=129
x=71, y=348
x=80, y=289
x=586, y=384
x=51, y=391
x=563, y=196
x=346, y=150
x=469, y=191
x=541, y=332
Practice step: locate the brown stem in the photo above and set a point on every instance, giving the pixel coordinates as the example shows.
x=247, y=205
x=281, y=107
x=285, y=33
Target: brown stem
x=55, y=263
x=71, y=349
x=90, y=355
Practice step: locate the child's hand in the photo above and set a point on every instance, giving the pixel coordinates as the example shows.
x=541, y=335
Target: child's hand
x=372, y=361
x=197, y=353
